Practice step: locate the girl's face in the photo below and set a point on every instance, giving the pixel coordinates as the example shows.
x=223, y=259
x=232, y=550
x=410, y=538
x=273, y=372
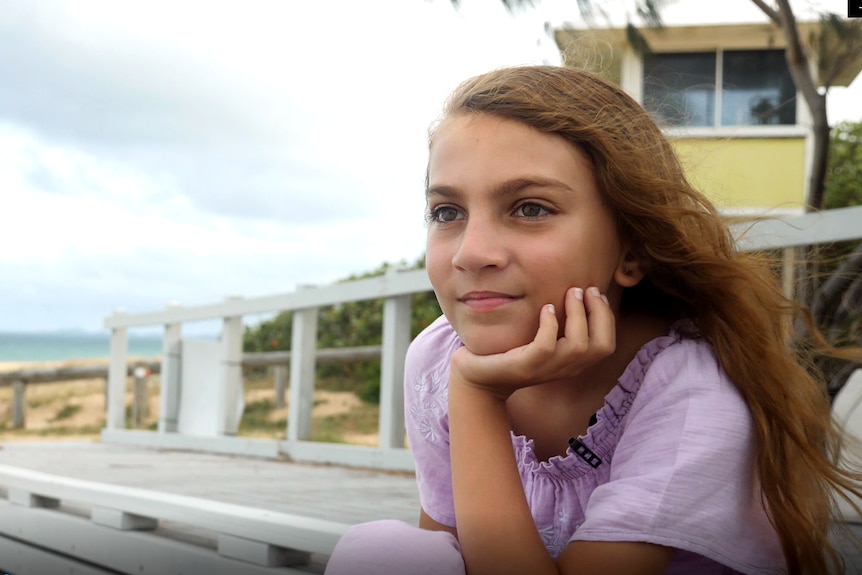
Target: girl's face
x=515, y=220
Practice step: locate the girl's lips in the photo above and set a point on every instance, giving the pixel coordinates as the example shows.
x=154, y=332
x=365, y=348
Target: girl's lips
x=486, y=301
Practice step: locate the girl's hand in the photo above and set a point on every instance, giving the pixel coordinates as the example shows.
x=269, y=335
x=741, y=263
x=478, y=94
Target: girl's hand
x=589, y=336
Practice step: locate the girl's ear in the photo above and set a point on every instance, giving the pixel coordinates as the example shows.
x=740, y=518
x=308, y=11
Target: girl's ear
x=630, y=270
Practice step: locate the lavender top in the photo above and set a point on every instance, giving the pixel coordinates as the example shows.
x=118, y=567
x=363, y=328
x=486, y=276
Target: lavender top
x=676, y=446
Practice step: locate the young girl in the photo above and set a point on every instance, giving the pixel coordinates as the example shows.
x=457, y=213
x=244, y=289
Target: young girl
x=611, y=389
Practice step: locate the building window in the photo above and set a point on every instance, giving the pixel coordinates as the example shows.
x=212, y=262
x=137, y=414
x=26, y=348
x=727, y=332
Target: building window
x=756, y=88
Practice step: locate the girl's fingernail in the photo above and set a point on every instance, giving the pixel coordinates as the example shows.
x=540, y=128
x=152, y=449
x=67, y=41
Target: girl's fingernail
x=594, y=291
x=578, y=293
x=605, y=299
x=550, y=308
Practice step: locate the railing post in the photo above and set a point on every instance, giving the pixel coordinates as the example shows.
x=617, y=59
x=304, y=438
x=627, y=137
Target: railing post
x=19, y=405
x=788, y=282
x=303, y=348
x=788, y=275
x=231, y=399
x=279, y=376
x=169, y=386
x=396, y=339
x=140, y=401
x=117, y=378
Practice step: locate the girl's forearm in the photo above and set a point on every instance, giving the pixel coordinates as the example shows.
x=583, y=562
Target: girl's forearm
x=495, y=527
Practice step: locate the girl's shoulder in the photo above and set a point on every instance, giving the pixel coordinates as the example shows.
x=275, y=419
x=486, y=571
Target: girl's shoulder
x=682, y=369
x=433, y=347
x=687, y=357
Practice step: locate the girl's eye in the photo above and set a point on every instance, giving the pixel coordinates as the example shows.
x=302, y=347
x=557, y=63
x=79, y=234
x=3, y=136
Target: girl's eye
x=531, y=211
x=444, y=215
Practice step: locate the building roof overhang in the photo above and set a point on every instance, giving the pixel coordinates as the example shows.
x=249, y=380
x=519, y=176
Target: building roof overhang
x=587, y=45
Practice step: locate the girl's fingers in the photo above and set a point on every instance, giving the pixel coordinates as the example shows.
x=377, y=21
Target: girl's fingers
x=546, y=337
x=589, y=335
x=601, y=324
x=576, y=329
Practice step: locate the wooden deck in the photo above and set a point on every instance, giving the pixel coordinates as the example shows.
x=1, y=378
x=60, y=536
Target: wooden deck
x=269, y=489
x=332, y=493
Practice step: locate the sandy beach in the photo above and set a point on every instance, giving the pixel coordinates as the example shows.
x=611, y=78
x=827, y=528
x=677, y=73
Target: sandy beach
x=75, y=410
x=16, y=365
x=45, y=401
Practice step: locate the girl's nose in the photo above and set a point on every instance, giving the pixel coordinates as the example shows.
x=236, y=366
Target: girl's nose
x=480, y=246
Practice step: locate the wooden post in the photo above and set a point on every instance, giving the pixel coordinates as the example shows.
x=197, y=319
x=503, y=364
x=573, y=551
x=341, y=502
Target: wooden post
x=19, y=405
x=279, y=376
x=140, y=403
x=396, y=339
x=169, y=383
x=302, y=363
x=231, y=400
x=788, y=272
x=788, y=282
x=117, y=378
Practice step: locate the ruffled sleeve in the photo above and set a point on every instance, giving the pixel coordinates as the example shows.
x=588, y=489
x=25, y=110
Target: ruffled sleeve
x=683, y=474
x=426, y=391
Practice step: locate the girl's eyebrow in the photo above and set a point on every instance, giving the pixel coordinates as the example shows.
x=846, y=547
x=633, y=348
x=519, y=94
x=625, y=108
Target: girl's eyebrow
x=447, y=192
x=507, y=188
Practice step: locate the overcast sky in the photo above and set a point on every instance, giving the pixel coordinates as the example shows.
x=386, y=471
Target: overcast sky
x=185, y=150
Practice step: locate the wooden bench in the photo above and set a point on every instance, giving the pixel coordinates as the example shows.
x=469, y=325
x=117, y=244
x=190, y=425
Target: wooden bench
x=103, y=528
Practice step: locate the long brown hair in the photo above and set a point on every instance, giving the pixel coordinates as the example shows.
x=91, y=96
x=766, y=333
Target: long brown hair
x=695, y=272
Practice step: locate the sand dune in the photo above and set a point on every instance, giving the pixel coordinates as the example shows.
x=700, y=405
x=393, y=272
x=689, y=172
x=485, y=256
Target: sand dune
x=55, y=410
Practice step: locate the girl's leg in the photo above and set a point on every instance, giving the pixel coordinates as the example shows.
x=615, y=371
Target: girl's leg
x=395, y=548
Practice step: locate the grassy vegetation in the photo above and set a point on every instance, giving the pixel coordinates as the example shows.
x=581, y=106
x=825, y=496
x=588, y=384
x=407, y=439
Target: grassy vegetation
x=51, y=413
x=37, y=403
x=59, y=431
x=262, y=419
x=66, y=412
x=256, y=419
x=333, y=429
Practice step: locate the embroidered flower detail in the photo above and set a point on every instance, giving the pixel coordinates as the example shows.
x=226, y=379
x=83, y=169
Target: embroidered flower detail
x=556, y=536
x=429, y=404
x=551, y=537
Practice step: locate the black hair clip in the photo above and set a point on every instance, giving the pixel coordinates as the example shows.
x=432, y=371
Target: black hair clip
x=584, y=452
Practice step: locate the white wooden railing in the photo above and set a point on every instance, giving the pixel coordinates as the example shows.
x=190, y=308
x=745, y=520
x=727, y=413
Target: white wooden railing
x=395, y=288
x=19, y=379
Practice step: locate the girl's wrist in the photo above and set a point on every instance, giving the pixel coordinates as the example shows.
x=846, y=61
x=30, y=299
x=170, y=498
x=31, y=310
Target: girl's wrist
x=465, y=390
x=493, y=375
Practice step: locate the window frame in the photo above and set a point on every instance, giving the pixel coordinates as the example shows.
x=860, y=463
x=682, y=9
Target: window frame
x=795, y=130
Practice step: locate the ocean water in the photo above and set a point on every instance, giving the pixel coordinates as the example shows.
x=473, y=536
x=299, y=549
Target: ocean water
x=59, y=346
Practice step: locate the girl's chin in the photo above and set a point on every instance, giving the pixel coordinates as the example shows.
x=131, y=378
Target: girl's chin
x=490, y=346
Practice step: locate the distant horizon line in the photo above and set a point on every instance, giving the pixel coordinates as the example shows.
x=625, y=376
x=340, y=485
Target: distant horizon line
x=101, y=333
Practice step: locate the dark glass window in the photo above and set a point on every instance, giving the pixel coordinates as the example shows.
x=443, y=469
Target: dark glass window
x=756, y=89
x=679, y=89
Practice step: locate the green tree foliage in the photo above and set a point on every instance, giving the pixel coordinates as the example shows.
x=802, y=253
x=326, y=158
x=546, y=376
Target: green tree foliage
x=844, y=175
x=270, y=335
x=837, y=302
x=349, y=324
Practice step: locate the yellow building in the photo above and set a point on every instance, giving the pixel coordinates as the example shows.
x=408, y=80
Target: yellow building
x=725, y=96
